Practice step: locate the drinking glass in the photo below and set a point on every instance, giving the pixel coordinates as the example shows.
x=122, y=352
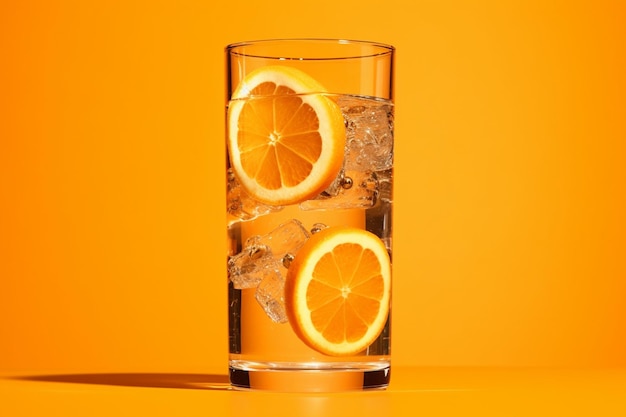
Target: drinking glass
x=309, y=132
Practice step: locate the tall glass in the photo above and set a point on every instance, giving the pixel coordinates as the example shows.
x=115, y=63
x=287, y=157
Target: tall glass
x=309, y=184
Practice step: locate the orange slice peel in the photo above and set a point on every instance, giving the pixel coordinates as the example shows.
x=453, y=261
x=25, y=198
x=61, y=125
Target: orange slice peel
x=337, y=290
x=286, y=137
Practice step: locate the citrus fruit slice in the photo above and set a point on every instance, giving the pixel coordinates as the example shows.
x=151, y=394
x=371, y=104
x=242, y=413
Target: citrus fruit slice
x=286, y=138
x=337, y=290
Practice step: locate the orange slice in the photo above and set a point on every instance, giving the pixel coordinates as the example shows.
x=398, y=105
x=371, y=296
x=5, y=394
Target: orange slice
x=286, y=138
x=337, y=290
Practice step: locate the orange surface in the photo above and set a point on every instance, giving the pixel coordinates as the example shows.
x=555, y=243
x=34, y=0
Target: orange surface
x=510, y=233
x=414, y=391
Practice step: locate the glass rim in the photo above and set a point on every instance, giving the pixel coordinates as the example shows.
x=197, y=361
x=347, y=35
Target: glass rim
x=379, y=48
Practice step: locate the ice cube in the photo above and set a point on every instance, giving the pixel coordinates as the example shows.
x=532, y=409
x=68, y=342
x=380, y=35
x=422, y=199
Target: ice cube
x=369, y=134
x=385, y=189
x=262, y=255
x=358, y=190
x=270, y=295
x=248, y=268
x=286, y=238
x=261, y=262
x=240, y=205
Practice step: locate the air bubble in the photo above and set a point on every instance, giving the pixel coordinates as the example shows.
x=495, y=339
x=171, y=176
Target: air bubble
x=318, y=227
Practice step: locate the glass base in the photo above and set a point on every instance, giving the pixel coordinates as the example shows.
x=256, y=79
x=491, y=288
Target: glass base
x=309, y=377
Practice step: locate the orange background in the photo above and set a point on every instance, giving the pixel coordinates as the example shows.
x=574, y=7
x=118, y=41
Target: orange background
x=510, y=232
